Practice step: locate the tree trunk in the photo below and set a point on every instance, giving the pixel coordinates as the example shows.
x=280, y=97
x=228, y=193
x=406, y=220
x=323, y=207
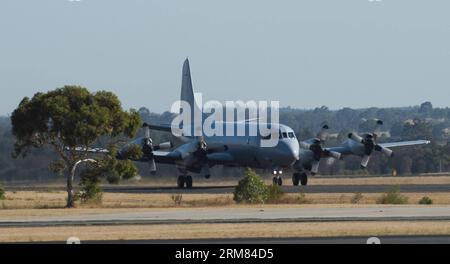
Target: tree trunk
x=70, y=193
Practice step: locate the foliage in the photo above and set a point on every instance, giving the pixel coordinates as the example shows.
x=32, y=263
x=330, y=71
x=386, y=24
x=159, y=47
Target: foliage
x=393, y=196
x=251, y=189
x=301, y=199
x=177, y=198
x=2, y=192
x=426, y=200
x=90, y=190
x=274, y=193
x=67, y=119
x=356, y=198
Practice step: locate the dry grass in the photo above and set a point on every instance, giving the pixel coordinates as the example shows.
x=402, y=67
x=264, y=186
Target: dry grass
x=192, y=231
x=56, y=200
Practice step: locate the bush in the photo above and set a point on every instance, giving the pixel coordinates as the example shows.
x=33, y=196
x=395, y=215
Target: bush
x=2, y=193
x=90, y=190
x=274, y=193
x=177, y=198
x=356, y=198
x=251, y=189
x=393, y=196
x=301, y=199
x=426, y=200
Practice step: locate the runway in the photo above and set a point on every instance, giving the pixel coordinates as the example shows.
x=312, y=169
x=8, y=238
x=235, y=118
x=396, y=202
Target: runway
x=240, y=215
x=410, y=188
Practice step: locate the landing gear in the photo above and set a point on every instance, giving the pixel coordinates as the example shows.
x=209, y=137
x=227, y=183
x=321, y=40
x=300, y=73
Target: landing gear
x=180, y=181
x=300, y=178
x=277, y=180
x=296, y=179
x=189, y=182
x=303, y=179
x=184, y=180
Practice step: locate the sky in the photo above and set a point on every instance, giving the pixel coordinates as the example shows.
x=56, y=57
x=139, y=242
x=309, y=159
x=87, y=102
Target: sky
x=305, y=54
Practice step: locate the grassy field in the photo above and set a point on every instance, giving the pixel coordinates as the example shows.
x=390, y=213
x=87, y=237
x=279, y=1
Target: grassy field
x=186, y=231
x=56, y=200
x=232, y=181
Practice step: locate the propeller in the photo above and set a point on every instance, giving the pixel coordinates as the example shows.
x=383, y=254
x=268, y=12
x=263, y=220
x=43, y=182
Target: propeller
x=369, y=140
x=316, y=146
x=148, y=149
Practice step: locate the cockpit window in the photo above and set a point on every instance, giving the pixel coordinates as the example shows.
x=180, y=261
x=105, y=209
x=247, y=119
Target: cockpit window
x=284, y=135
x=291, y=135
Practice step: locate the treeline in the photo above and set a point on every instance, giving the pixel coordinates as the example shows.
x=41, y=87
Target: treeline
x=409, y=123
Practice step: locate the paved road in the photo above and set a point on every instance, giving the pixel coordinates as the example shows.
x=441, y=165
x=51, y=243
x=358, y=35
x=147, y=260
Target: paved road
x=290, y=240
x=413, y=188
x=241, y=215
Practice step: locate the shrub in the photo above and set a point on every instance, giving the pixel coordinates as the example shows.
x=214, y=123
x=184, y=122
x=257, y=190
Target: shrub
x=426, y=200
x=251, y=189
x=393, y=196
x=301, y=199
x=90, y=190
x=274, y=193
x=2, y=193
x=356, y=198
x=177, y=198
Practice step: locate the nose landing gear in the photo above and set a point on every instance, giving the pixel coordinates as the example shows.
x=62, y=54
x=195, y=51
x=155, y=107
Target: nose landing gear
x=277, y=180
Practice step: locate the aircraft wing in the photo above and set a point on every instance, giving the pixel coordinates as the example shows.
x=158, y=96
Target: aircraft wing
x=92, y=150
x=404, y=143
x=161, y=127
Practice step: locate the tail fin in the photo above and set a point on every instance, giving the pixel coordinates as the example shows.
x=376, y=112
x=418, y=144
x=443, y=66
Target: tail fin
x=187, y=94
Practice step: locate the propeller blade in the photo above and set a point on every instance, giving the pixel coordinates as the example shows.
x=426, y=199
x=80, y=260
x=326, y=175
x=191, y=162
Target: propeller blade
x=355, y=137
x=164, y=145
x=365, y=161
x=305, y=145
x=315, y=167
x=385, y=151
x=146, y=130
x=334, y=154
x=152, y=166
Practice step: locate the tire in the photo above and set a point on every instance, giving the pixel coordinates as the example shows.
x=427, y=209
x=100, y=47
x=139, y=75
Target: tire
x=296, y=179
x=280, y=181
x=274, y=181
x=303, y=179
x=181, y=181
x=189, y=181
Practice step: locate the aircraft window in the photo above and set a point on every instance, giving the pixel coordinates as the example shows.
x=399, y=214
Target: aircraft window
x=284, y=135
x=291, y=135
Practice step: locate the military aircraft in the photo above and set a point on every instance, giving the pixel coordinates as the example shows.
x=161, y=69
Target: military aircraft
x=198, y=153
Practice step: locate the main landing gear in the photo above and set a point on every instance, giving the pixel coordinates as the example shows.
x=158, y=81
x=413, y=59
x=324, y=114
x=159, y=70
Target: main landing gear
x=301, y=178
x=184, y=181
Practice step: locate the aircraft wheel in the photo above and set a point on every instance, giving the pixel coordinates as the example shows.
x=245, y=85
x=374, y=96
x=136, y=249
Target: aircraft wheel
x=279, y=181
x=180, y=181
x=274, y=181
x=303, y=179
x=189, y=181
x=295, y=179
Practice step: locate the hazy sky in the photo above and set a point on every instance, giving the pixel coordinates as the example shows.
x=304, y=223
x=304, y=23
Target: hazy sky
x=338, y=53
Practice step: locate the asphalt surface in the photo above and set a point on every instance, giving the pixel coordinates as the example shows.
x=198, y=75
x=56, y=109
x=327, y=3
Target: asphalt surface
x=240, y=215
x=289, y=240
x=410, y=188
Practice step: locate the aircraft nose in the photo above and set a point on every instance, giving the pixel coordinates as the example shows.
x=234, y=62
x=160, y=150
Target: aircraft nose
x=290, y=149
